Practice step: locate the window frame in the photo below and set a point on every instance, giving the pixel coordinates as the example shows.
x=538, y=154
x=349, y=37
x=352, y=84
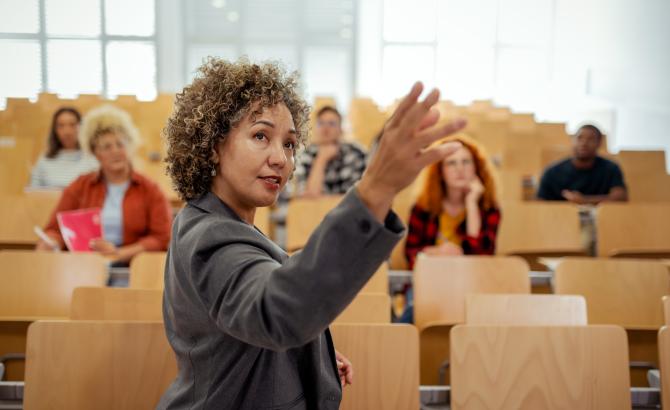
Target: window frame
x=301, y=44
x=103, y=38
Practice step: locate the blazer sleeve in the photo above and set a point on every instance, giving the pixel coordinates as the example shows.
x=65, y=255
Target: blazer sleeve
x=277, y=306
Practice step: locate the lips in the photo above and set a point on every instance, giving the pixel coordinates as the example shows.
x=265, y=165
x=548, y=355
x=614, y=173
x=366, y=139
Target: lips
x=272, y=182
x=272, y=178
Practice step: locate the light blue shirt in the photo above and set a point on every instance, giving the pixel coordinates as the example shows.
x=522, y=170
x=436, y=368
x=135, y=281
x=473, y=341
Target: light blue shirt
x=112, y=213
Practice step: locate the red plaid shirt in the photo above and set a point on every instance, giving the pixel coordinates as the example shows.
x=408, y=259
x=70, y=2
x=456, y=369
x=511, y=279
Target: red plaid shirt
x=423, y=229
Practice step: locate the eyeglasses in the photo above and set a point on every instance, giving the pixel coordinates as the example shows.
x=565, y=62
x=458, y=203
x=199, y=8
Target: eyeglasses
x=108, y=146
x=333, y=124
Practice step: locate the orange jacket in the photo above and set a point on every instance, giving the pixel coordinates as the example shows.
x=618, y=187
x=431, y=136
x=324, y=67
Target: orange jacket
x=146, y=211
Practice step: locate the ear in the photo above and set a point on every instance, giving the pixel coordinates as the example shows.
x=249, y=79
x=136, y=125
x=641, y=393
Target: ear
x=215, y=154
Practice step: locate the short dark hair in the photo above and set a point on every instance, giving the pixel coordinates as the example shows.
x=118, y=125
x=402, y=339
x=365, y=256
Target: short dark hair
x=53, y=142
x=329, y=108
x=592, y=128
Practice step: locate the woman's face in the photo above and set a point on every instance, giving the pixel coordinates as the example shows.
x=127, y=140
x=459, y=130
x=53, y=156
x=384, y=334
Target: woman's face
x=458, y=170
x=256, y=158
x=111, y=150
x=328, y=127
x=67, y=128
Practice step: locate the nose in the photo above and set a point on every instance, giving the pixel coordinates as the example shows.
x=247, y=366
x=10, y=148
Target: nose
x=118, y=150
x=277, y=158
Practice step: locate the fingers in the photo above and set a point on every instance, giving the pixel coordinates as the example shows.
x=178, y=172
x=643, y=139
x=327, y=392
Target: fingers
x=429, y=119
x=434, y=154
x=406, y=103
x=428, y=136
x=413, y=116
x=346, y=373
x=350, y=375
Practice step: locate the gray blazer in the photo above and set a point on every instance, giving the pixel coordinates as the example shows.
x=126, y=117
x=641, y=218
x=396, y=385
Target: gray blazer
x=249, y=325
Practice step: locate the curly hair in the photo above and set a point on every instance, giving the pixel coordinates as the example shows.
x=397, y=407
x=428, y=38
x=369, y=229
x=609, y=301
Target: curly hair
x=222, y=94
x=433, y=188
x=103, y=120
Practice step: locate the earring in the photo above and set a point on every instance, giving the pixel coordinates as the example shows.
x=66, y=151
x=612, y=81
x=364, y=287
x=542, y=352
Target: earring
x=213, y=172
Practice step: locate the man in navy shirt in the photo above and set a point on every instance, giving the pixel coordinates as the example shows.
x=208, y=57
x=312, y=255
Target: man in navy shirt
x=585, y=178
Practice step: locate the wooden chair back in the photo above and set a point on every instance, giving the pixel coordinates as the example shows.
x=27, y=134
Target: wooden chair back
x=97, y=365
x=386, y=365
x=117, y=304
x=565, y=310
x=539, y=367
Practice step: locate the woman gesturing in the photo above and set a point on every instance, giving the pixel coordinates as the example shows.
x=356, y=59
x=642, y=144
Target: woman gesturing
x=249, y=324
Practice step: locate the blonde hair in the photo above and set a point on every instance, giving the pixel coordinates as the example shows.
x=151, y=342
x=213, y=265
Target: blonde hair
x=103, y=120
x=433, y=186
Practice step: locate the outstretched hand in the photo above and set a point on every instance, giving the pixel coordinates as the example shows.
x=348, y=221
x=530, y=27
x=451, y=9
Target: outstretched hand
x=405, y=149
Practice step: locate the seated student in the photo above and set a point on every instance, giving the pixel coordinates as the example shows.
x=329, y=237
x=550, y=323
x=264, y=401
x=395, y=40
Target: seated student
x=329, y=166
x=456, y=212
x=136, y=215
x=64, y=160
x=586, y=178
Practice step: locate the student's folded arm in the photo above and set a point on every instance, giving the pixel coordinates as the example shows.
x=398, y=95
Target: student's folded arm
x=618, y=193
x=485, y=242
x=315, y=179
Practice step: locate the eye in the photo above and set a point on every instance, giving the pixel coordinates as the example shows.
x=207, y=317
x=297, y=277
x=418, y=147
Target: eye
x=260, y=136
x=289, y=145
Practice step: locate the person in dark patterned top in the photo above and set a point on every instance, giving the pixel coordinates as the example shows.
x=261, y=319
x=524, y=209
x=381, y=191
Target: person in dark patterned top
x=457, y=211
x=329, y=166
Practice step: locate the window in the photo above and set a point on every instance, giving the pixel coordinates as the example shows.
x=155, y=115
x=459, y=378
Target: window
x=71, y=47
x=314, y=37
x=131, y=69
x=23, y=18
x=20, y=75
x=470, y=49
x=74, y=67
x=395, y=75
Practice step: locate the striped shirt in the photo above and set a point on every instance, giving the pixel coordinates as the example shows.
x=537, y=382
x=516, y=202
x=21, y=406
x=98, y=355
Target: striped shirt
x=60, y=171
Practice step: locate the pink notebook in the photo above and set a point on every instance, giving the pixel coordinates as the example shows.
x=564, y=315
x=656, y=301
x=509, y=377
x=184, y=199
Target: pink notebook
x=79, y=227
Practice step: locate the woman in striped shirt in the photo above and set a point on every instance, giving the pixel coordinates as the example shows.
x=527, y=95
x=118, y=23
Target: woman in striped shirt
x=64, y=160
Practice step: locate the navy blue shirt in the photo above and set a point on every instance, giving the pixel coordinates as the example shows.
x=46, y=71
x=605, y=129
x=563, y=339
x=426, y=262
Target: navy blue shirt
x=597, y=180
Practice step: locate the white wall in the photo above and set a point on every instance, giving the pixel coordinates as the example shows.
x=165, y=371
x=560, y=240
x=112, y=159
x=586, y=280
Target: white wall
x=600, y=61
x=623, y=47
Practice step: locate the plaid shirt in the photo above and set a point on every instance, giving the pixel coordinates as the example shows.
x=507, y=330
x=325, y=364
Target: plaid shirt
x=424, y=227
x=342, y=172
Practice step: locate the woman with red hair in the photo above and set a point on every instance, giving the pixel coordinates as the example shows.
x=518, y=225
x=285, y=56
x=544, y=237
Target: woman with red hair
x=456, y=212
